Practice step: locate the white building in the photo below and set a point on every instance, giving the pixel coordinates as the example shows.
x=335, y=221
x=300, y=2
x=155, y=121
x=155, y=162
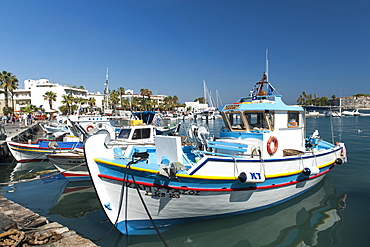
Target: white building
x=34, y=91
x=196, y=106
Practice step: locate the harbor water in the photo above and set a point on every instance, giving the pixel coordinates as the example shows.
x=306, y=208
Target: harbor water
x=333, y=213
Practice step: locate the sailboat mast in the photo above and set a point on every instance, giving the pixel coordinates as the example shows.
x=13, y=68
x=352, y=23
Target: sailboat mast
x=267, y=65
x=205, y=91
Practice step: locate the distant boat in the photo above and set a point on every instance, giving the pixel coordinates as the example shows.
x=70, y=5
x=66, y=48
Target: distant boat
x=312, y=114
x=333, y=114
x=351, y=113
x=260, y=159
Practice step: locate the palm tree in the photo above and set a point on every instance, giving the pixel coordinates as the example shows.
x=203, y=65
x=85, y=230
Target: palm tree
x=91, y=101
x=50, y=96
x=121, y=91
x=145, y=92
x=29, y=108
x=114, y=99
x=68, y=101
x=79, y=101
x=8, y=83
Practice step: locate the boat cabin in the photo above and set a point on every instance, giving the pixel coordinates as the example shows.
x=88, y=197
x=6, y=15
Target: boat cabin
x=137, y=134
x=266, y=124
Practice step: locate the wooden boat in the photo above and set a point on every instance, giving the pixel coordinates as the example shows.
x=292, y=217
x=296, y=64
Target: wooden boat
x=26, y=152
x=71, y=164
x=251, y=166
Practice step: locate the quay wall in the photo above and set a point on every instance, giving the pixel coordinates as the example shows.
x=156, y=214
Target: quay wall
x=20, y=226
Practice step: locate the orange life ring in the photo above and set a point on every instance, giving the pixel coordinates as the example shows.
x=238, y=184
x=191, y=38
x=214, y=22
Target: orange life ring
x=90, y=127
x=273, y=140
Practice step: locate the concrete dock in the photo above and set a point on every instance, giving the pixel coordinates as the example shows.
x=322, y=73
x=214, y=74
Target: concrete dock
x=22, y=227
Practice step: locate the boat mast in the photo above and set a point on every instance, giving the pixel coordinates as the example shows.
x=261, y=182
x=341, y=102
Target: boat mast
x=267, y=65
x=264, y=79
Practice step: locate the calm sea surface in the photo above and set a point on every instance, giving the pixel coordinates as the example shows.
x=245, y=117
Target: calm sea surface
x=333, y=213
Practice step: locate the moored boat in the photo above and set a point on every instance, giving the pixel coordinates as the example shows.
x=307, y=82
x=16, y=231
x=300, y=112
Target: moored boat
x=261, y=159
x=31, y=151
x=351, y=113
x=70, y=164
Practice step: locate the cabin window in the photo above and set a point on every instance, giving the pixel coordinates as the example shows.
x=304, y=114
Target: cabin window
x=124, y=134
x=141, y=134
x=260, y=120
x=234, y=120
x=293, y=119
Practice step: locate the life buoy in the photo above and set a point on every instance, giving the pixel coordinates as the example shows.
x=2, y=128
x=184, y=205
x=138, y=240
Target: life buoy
x=272, y=141
x=88, y=128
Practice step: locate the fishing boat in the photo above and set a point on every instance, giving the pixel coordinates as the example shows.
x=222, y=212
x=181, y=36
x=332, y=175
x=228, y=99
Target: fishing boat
x=262, y=158
x=70, y=164
x=172, y=130
x=31, y=151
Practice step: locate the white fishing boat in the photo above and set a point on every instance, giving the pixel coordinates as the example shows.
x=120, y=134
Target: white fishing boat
x=351, y=113
x=31, y=151
x=70, y=164
x=262, y=158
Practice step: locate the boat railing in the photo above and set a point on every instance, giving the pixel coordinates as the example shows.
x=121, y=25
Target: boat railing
x=226, y=149
x=231, y=146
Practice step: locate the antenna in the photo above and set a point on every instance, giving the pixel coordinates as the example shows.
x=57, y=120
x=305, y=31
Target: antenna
x=106, y=77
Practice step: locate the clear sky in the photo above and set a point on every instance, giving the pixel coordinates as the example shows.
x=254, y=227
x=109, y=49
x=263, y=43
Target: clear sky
x=171, y=46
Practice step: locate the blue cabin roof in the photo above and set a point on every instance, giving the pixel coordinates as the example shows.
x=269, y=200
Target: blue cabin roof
x=261, y=103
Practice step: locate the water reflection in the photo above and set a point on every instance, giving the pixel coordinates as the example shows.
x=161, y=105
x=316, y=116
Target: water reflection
x=77, y=199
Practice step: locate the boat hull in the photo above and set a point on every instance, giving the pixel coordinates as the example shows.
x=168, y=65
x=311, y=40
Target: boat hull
x=23, y=152
x=195, y=196
x=170, y=207
x=71, y=165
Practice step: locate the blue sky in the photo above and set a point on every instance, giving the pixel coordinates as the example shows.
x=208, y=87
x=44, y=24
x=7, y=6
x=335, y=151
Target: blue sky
x=171, y=46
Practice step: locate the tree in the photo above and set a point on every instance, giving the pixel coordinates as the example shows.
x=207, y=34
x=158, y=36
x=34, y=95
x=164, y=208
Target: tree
x=201, y=100
x=50, y=96
x=145, y=93
x=8, y=83
x=68, y=101
x=91, y=101
x=121, y=91
x=79, y=101
x=114, y=99
x=29, y=108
